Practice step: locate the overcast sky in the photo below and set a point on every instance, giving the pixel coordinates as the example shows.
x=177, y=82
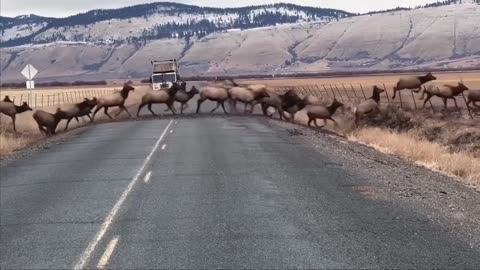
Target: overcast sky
x=61, y=8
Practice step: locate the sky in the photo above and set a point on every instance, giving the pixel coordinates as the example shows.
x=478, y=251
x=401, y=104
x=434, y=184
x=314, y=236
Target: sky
x=62, y=8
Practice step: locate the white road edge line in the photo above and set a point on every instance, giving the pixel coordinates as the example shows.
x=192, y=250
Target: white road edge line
x=108, y=252
x=108, y=220
x=164, y=146
x=147, y=177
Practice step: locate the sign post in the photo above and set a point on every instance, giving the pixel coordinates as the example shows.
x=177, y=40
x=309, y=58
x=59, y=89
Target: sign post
x=29, y=72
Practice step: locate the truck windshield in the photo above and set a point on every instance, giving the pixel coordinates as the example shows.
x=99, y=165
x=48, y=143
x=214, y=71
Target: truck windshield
x=159, y=78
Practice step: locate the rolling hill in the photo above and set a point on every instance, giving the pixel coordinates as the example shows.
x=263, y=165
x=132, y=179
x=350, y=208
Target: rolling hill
x=446, y=36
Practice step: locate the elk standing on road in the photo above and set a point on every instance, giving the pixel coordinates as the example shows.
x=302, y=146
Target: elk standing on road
x=412, y=82
x=218, y=94
x=114, y=100
x=10, y=109
x=369, y=106
x=444, y=92
x=159, y=97
x=183, y=97
x=246, y=96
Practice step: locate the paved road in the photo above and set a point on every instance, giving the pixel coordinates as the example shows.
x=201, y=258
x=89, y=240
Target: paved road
x=204, y=193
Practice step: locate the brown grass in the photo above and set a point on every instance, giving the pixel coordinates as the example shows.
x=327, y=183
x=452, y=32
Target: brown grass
x=28, y=132
x=429, y=154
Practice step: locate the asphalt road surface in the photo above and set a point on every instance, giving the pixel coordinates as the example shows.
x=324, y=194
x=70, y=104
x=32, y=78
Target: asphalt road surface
x=207, y=192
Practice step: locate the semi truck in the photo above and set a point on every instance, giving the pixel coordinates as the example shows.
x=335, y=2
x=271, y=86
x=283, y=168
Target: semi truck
x=164, y=74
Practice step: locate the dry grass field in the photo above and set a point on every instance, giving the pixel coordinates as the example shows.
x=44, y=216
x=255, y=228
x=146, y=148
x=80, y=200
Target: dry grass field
x=355, y=89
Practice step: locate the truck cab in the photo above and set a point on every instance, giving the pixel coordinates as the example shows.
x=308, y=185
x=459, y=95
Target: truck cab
x=164, y=74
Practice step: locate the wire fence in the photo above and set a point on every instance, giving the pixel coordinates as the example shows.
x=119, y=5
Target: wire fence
x=356, y=93
x=51, y=98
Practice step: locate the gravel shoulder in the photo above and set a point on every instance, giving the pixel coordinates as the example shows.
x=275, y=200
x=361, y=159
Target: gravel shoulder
x=443, y=200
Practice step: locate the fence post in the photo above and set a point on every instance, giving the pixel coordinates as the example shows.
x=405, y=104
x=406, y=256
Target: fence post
x=344, y=89
x=363, y=92
x=468, y=107
x=328, y=95
x=413, y=97
x=353, y=90
x=386, y=92
x=36, y=101
x=21, y=98
x=42, y=101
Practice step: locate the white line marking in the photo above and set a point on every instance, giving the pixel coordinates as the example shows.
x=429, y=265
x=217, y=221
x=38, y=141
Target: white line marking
x=147, y=177
x=108, y=252
x=163, y=146
x=109, y=219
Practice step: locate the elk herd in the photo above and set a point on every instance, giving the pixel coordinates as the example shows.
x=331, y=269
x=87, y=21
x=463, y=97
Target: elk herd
x=250, y=95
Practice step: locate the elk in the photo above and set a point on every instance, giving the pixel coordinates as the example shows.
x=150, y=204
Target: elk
x=81, y=109
x=218, y=94
x=412, y=82
x=47, y=122
x=370, y=105
x=473, y=97
x=183, y=97
x=289, y=102
x=325, y=113
x=7, y=99
x=444, y=92
x=114, y=100
x=246, y=96
x=160, y=97
x=10, y=109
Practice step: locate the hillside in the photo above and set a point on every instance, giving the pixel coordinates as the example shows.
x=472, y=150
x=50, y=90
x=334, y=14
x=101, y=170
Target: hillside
x=441, y=37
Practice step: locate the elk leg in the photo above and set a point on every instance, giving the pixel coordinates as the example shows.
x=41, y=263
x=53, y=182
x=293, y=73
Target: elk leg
x=394, y=93
x=245, y=107
x=316, y=124
x=42, y=129
x=126, y=110
x=139, y=108
x=455, y=100
x=89, y=117
x=105, y=111
x=181, y=108
x=310, y=120
x=223, y=107
x=445, y=103
x=68, y=122
x=199, y=103
x=150, y=109
x=95, y=112
x=427, y=99
x=214, y=109
x=13, y=122
x=171, y=108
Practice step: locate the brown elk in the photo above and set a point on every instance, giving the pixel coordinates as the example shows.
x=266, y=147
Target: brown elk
x=325, y=113
x=81, y=109
x=473, y=97
x=218, y=94
x=444, y=92
x=159, y=97
x=47, y=122
x=10, y=109
x=370, y=105
x=114, y=100
x=412, y=82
